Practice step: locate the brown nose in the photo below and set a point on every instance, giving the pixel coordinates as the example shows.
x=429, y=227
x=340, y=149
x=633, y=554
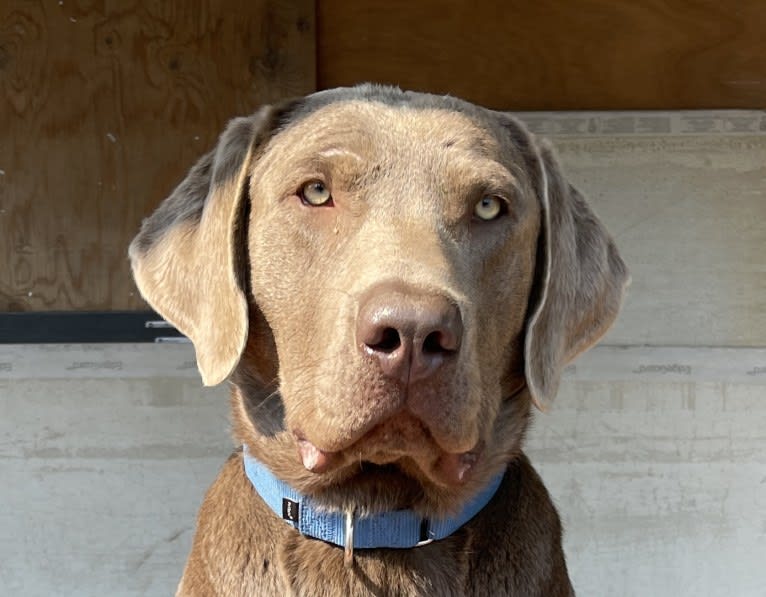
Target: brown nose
x=410, y=334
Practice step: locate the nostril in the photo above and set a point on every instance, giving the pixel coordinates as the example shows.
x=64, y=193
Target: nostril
x=436, y=343
x=389, y=341
x=433, y=344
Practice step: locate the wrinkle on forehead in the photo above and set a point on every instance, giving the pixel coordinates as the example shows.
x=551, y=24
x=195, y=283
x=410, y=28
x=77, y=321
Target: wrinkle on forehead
x=343, y=152
x=354, y=125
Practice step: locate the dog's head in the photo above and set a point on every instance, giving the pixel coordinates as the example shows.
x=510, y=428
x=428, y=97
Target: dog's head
x=391, y=277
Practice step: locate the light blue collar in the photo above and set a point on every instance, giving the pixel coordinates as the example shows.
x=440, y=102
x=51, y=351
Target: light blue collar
x=400, y=529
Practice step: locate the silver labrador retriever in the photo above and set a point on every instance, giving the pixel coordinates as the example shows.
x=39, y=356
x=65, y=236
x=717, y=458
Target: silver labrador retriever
x=390, y=280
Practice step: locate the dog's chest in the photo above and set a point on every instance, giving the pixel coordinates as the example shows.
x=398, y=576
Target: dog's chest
x=311, y=568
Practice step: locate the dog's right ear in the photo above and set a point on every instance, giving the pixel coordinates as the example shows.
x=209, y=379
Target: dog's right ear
x=581, y=283
x=581, y=278
x=190, y=258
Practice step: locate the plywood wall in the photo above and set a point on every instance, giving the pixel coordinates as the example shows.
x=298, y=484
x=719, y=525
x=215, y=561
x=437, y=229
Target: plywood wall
x=103, y=107
x=551, y=54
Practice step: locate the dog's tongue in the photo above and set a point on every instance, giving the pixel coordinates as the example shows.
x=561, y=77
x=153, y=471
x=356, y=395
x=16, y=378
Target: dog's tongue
x=314, y=459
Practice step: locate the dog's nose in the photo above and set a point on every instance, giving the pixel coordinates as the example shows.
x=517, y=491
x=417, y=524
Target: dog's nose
x=410, y=334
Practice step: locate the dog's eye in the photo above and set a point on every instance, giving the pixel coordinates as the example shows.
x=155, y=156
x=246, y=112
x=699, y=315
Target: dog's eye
x=490, y=207
x=315, y=193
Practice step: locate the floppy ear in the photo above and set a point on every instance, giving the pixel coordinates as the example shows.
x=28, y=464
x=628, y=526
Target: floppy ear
x=190, y=258
x=580, y=280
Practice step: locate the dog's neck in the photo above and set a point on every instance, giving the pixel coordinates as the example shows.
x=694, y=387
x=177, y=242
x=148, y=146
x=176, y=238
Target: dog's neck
x=400, y=529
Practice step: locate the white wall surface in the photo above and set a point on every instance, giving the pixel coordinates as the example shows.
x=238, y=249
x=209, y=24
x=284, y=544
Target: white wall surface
x=655, y=450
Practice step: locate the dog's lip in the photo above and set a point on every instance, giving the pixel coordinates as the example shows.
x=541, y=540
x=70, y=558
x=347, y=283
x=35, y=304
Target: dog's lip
x=314, y=459
x=455, y=468
x=450, y=468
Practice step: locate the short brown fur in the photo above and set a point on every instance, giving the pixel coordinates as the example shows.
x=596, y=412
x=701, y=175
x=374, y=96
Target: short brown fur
x=271, y=291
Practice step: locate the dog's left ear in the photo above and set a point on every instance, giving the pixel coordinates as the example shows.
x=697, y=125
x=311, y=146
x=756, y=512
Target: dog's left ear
x=190, y=258
x=580, y=279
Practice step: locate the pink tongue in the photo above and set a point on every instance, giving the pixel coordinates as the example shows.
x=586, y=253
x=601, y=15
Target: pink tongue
x=456, y=467
x=313, y=458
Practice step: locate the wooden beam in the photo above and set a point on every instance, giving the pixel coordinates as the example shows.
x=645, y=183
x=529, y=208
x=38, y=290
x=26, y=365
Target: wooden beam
x=553, y=55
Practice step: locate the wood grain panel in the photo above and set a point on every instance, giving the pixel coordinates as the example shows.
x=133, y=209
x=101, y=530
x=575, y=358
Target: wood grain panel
x=103, y=107
x=553, y=55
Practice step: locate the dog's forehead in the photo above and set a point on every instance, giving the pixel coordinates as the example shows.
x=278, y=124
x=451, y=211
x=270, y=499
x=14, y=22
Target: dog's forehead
x=365, y=126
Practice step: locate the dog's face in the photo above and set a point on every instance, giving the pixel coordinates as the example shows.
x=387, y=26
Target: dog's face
x=391, y=252
x=388, y=273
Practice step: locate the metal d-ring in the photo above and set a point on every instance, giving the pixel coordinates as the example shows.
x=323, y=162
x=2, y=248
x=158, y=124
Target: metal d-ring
x=348, y=548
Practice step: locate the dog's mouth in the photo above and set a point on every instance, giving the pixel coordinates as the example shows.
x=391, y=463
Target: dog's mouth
x=383, y=448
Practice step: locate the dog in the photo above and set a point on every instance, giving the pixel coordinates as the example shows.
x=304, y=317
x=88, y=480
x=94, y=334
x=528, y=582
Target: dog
x=391, y=281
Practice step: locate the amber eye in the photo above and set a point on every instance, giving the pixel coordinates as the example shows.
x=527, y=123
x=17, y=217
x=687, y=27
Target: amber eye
x=490, y=207
x=315, y=193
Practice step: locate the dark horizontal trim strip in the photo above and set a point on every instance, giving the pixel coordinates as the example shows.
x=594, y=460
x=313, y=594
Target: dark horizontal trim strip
x=57, y=327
